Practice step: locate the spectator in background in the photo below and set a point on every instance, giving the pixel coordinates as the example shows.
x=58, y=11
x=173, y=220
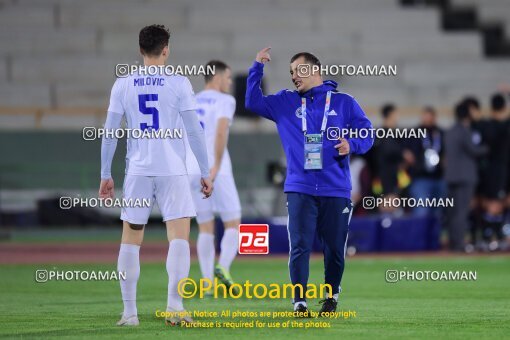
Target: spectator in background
x=504, y=88
x=362, y=182
x=474, y=109
x=387, y=156
x=427, y=162
x=460, y=174
x=496, y=134
x=476, y=212
x=357, y=164
x=506, y=222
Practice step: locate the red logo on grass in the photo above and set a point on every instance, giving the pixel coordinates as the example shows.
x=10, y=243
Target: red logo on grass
x=253, y=239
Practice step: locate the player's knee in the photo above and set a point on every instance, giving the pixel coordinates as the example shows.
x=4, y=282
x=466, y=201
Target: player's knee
x=205, y=217
x=231, y=218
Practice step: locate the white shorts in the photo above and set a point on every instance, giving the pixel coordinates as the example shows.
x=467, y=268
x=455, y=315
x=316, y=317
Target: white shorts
x=172, y=193
x=224, y=199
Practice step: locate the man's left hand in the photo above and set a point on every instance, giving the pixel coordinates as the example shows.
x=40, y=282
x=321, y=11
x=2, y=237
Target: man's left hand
x=343, y=147
x=106, y=188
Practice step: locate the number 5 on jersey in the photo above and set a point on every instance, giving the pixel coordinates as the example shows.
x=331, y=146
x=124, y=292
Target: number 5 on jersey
x=142, y=106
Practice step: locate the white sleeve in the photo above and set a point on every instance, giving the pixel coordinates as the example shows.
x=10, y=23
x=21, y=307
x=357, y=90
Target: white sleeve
x=109, y=144
x=196, y=140
x=228, y=108
x=187, y=99
x=116, y=97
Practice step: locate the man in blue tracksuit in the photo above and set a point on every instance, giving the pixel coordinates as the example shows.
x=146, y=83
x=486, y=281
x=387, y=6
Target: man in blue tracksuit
x=318, y=183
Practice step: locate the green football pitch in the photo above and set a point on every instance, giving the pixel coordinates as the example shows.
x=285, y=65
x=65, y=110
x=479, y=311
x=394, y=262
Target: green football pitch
x=406, y=309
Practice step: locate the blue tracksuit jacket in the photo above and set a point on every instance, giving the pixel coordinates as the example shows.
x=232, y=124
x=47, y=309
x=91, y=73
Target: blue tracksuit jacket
x=284, y=108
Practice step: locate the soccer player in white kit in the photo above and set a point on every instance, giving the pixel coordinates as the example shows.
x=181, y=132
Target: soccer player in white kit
x=215, y=110
x=155, y=168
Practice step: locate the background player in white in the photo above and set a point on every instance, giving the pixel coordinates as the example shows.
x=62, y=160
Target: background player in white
x=215, y=109
x=155, y=168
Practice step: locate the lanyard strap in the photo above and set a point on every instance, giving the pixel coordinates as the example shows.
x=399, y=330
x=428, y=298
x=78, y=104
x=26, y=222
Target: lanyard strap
x=324, y=118
x=436, y=141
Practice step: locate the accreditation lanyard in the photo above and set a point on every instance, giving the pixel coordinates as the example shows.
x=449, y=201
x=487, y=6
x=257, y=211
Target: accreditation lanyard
x=435, y=144
x=313, y=142
x=324, y=118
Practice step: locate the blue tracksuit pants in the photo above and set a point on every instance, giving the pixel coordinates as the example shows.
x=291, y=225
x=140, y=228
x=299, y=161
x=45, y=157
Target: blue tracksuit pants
x=329, y=217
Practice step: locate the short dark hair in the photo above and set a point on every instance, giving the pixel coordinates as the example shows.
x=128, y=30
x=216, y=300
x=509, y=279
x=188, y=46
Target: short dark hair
x=472, y=101
x=153, y=39
x=387, y=110
x=462, y=111
x=498, y=102
x=429, y=109
x=309, y=58
x=219, y=66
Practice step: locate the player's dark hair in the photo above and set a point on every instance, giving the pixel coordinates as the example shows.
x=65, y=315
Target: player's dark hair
x=462, y=111
x=309, y=58
x=153, y=39
x=472, y=101
x=219, y=67
x=430, y=109
x=498, y=102
x=387, y=110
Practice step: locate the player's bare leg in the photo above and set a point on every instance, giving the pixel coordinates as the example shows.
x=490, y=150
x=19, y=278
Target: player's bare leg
x=177, y=266
x=132, y=233
x=129, y=262
x=229, y=245
x=205, y=250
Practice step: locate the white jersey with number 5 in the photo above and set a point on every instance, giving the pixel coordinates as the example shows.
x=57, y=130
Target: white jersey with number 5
x=211, y=106
x=154, y=102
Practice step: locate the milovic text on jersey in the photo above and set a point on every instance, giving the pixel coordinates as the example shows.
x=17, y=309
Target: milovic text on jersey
x=144, y=81
x=205, y=100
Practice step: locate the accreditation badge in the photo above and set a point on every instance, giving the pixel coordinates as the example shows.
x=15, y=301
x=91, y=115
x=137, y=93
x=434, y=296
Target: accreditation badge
x=431, y=157
x=313, y=151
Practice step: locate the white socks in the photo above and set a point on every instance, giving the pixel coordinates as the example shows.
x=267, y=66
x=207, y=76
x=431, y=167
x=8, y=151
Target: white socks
x=129, y=262
x=229, y=244
x=206, y=254
x=177, y=266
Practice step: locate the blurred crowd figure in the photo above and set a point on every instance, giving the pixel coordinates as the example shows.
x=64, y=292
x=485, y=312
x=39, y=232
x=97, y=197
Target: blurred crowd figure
x=469, y=162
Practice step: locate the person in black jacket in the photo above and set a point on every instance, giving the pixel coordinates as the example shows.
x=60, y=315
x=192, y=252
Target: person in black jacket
x=427, y=166
x=476, y=213
x=460, y=174
x=496, y=134
x=388, y=154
